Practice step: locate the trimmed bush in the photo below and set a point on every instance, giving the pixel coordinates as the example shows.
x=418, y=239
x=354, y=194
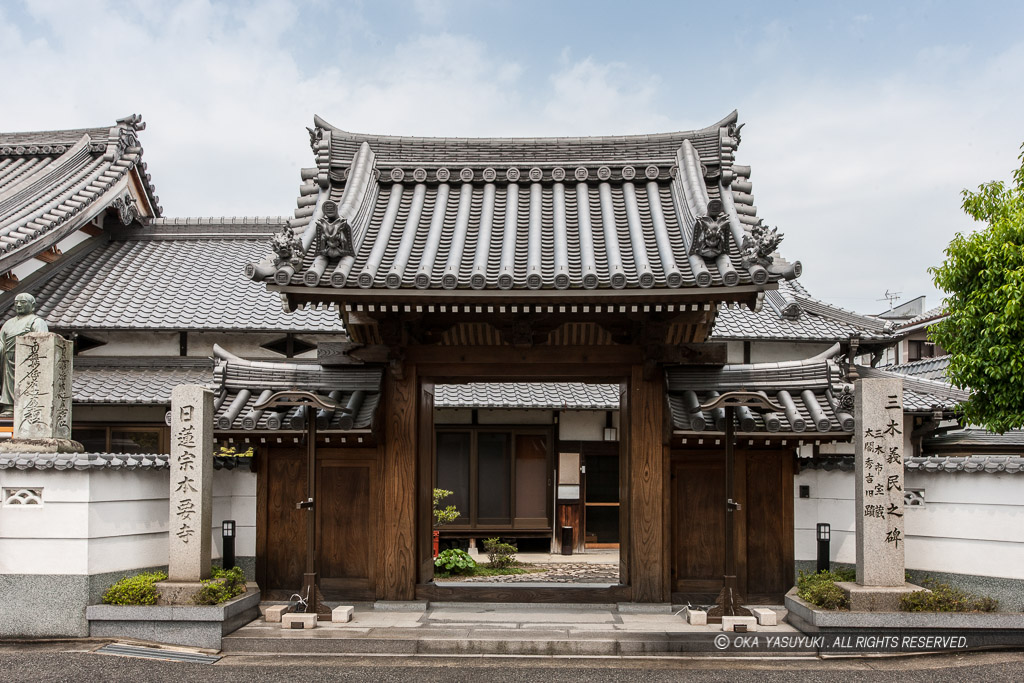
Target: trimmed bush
x=223, y=585
x=944, y=598
x=134, y=590
x=501, y=555
x=821, y=590
x=455, y=561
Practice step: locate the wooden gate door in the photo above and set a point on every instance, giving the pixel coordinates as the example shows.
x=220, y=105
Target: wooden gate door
x=346, y=528
x=764, y=524
x=280, y=528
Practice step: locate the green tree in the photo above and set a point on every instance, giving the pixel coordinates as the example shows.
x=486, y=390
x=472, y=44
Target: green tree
x=983, y=276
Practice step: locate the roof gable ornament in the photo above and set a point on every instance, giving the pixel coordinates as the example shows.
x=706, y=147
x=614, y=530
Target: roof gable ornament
x=315, y=136
x=287, y=248
x=711, y=232
x=127, y=208
x=333, y=233
x=759, y=245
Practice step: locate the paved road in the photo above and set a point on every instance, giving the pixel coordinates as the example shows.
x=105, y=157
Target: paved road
x=74, y=662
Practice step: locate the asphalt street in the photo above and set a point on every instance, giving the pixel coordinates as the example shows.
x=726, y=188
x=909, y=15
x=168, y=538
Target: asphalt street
x=75, y=662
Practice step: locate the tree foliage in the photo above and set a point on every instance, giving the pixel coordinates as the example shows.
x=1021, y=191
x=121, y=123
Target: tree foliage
x=983, y=276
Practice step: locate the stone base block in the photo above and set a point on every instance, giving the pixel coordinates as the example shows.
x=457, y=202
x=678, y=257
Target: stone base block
x=695, y=617
x=729, y=623
x=41, y=446
x=274, y=613
x=299, y=620
x=177, y=592
x=765, y=616
x=875, y=598
x=342, y=614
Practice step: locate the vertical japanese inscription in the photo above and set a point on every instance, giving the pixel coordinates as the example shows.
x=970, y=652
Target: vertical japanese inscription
x=29, y=385
x=42, y=386
x=879, y=466
x=191, y=470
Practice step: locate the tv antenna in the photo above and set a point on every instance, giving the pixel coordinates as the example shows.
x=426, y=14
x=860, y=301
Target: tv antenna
x=891, y=297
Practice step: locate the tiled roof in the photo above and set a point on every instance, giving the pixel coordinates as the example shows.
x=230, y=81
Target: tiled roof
x=139, y=381
x=926, y=368
x=927, y=318
x=175, y=274
x=540, y=395
x=525, y=214
x=790, y=313
x=921, y=395
x=54, y=182
x=938, y=464
x=815, y=400
x=973, y=437
x=89, y=461
x=243, y=384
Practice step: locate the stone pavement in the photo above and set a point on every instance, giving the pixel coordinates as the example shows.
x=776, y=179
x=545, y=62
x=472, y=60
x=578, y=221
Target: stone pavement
x=441, y=628
x=560, y=572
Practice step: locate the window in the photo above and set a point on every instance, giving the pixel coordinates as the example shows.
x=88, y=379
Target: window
x=123, y=439
x=500, y=477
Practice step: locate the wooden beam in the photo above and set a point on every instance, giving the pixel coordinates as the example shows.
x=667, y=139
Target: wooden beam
x=506, y=355
x=350, y=353
x=646, y=488
x=397, y=575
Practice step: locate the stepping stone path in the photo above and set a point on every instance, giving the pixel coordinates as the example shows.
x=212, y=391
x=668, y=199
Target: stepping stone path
x=561, y=572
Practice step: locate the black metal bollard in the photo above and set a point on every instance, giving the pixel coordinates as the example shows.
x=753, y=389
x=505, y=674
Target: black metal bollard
x=567, y=540
x=824, y=539
x=227, y=534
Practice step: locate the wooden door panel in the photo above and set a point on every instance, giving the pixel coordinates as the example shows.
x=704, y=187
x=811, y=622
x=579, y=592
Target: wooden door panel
x=346, y=528
x=769, y=535
x=286, y=526
x=698, y=522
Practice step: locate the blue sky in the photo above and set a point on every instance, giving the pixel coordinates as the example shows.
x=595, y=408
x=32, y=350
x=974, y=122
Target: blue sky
x=864, y=120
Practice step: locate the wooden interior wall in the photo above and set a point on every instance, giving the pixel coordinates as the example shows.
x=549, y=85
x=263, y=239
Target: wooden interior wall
x=398, y=547
x=648, y=568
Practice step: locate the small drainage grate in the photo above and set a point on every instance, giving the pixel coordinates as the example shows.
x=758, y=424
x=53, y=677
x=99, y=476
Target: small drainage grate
x=156, y=653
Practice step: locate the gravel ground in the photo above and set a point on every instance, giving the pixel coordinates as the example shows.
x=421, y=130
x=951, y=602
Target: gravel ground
x=553, y=573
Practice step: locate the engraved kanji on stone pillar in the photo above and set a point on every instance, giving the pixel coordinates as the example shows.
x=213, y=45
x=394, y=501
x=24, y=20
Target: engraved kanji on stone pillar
x=191, y=500
x=42, y=386
x=878, y=416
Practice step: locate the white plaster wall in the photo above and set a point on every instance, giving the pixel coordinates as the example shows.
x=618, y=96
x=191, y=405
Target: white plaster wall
x=247, y=344
x=98, y=521
x=581, y=425
x=970, y=523
x=773, y=352
x=487, y=416
x=453, y=416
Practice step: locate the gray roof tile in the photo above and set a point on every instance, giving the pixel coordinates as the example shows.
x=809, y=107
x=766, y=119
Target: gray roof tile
x=536, y=395
x=50, y=183
x=176, y=274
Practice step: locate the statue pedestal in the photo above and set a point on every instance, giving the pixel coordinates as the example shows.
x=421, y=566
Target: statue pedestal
x=15, y=445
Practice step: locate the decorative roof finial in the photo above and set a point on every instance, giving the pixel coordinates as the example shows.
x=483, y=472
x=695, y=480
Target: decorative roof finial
x=711, y=232
x=760, y=244
x=333, y=233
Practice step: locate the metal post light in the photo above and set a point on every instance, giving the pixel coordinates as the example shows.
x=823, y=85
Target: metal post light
x=824, y=539
x=227, y=535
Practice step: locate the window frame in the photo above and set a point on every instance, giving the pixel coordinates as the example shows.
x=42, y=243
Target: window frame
x=469, y=521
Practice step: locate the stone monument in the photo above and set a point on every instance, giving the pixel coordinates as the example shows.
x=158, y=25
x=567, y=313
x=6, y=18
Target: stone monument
x=191, y=494
x=36, y=368
x=878, y=439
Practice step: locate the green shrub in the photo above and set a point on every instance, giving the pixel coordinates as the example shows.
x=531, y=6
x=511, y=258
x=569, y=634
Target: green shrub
x=134, y=590
x=944, y=598
x=223, y=585
x=455, y=561
x=821, y=590
x=501, y=555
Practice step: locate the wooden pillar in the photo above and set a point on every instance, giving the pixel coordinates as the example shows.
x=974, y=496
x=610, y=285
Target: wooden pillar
x=647, y=538
x=398, y=535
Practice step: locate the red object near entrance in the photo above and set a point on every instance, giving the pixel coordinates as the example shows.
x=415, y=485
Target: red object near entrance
x=437, y=541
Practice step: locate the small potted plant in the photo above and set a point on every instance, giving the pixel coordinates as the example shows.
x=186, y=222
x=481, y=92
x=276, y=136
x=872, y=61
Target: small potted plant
x=442, y=516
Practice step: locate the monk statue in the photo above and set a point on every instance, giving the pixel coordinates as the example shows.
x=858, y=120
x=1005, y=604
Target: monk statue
x=24, y=321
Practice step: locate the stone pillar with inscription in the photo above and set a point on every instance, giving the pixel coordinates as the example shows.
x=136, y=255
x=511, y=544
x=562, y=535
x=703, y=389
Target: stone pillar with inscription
x=881, y=543
x=42, y=395
x=191, y=494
